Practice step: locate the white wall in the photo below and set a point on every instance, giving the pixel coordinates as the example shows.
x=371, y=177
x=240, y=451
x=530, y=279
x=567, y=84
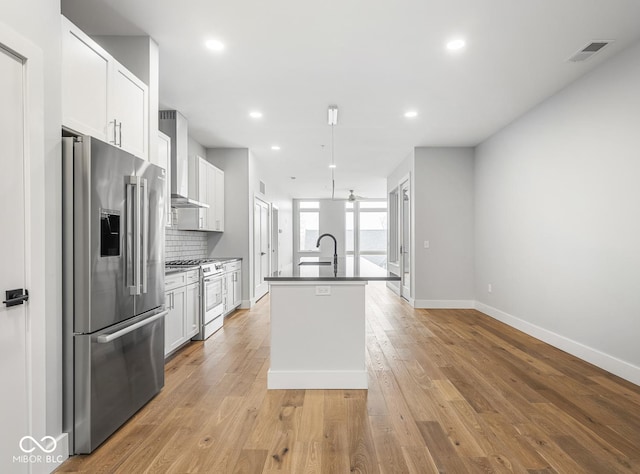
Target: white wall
x=444, y=215
x=38, y=21
x=557, y=227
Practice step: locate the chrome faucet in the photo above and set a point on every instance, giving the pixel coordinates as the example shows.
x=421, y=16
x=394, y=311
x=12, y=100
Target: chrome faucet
x=335, y=247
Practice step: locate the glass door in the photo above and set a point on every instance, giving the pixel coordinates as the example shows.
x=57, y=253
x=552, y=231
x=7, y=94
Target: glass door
x=405, y=239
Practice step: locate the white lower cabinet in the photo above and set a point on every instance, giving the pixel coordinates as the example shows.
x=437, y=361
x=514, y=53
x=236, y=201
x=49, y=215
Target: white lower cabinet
x=174, y=329
x=182, y=292
x=192, y=317
x=232, y=287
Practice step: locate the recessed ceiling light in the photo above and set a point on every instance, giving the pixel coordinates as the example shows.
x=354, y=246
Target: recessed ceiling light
x=456, y=44
x=332, y=166
x=255, y=114
x=275, y=147
x=411, y=114
x=214, y=45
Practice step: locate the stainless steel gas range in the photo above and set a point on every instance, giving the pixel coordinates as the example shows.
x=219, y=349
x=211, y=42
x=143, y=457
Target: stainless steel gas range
x=211, y=282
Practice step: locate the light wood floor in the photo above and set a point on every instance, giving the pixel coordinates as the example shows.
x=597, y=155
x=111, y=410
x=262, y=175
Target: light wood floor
x=450, y=391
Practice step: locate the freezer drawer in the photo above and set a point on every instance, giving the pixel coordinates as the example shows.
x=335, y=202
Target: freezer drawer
x=117, y=371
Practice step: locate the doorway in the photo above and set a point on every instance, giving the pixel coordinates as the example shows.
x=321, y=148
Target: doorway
x=260, y=248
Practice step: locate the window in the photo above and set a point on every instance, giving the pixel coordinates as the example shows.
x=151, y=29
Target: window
x=309, y=225
x=393, y=226
x=366, y=235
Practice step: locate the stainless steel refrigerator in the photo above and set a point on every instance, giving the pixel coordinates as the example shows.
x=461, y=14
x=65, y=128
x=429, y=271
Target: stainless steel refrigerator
x=113, y=303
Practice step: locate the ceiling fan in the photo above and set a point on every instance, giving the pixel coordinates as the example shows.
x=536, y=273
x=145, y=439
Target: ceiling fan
x=353, y=197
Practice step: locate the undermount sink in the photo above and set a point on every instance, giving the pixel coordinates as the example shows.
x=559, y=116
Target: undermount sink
x=315, y=263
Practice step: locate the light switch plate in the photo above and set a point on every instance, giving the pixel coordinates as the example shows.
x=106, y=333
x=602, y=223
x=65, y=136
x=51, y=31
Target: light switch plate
x=323, y=290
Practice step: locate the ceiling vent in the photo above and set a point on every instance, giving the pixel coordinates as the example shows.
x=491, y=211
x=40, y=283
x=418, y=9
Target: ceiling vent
x=589, y=50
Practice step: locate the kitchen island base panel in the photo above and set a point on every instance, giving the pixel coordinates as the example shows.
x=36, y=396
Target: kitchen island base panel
x=317, y=379
x=317, y=335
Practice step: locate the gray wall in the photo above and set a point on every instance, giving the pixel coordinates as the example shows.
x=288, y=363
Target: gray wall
x=444, y=215
x=557, y=227
x=242, y=177
x=234, y=241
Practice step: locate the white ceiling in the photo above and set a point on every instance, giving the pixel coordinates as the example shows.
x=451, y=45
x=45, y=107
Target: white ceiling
x=375, y=59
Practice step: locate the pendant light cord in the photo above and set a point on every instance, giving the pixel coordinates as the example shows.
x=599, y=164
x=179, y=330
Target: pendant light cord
x=333, y=178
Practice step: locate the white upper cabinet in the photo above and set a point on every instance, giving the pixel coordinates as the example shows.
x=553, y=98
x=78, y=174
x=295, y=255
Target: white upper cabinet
x=163, y=160
x=129, y=109
x=218, y=208
x=206, y=184
x=85, y=83
x=100, y=97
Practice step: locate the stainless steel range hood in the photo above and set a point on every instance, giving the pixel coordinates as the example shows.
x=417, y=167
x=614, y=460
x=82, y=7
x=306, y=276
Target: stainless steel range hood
x=175, y=126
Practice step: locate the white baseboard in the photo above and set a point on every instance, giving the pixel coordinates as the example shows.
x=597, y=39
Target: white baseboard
x=246, y=304
x=444, y=304
x=600, y=359
x=317, y=379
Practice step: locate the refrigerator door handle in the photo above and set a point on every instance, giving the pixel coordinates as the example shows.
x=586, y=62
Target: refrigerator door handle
x=130, y=236
x=145, y=233
x=135, y=289
x=105, y=338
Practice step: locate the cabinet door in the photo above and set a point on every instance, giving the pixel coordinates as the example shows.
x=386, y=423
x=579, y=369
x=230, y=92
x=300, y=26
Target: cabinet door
x=219, y=200
x=228, y=292
x=164, y=161
x=237, y=288
x=204, y=181
x=174, y=328
x=192, y=314
x=128, y=112
x=85, y=79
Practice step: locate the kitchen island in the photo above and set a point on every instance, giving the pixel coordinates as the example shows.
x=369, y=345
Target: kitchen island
x=318, y=325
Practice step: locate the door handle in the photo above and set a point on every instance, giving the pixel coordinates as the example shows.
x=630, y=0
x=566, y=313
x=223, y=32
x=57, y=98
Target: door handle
x=135, y=289
x=263, y=253
x=115, y=124
x=16, y=297
x=145, y=234
x=104, y=338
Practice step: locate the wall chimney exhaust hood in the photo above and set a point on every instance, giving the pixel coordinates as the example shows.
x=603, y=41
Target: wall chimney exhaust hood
x=173, y=123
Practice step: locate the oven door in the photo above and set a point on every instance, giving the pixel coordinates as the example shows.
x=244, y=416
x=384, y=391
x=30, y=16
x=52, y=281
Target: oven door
x=212, y=305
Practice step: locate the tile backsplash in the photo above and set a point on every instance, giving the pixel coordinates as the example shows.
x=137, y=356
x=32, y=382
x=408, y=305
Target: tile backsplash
x=184, y=244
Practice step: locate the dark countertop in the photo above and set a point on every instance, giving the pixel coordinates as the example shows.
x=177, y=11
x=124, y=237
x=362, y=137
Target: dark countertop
x=312, y=271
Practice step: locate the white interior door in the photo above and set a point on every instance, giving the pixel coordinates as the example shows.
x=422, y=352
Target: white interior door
x=13, y=320
x=261, y=247
x=405, y=249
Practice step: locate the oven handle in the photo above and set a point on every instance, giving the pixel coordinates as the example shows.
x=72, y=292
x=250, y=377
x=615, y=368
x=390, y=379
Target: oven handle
x=211, y=278
x=104, y=338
